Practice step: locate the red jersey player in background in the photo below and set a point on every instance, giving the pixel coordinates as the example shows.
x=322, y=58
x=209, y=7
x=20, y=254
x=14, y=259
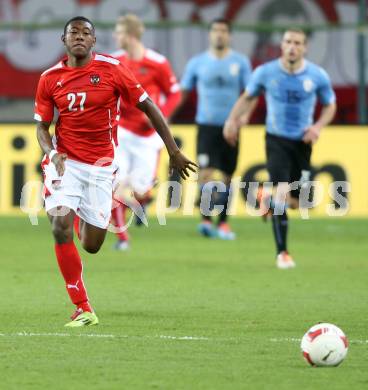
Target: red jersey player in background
x=78, y=166
x=139, y=145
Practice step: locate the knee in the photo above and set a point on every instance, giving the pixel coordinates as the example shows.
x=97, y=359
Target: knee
x=227, y=180
x=293, y=203
x=205, y=175
x=90, y=247
x=142, y=196
x=62, y=230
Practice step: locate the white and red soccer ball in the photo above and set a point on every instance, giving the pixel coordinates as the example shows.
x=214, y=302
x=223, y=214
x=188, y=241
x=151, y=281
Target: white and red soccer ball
x=324, y=345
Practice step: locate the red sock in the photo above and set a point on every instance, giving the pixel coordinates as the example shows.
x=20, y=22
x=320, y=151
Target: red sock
x=118, y=214
x=71, y=267
x=76, y=226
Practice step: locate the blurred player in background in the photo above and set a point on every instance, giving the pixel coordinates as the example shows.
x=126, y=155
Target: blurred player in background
x=139, y=145
x=78, y=170
x=291, y=85
x=219, y=75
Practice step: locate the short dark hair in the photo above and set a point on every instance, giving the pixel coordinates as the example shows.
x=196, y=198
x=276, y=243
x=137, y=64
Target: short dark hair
x=80, y=18
x=220, y=21
x=297, y=30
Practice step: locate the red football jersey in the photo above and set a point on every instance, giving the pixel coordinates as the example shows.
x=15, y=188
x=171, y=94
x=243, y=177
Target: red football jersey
x=155, y=74
x=87, y=99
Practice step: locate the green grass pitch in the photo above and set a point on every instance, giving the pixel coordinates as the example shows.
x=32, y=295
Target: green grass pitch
x=182, y=312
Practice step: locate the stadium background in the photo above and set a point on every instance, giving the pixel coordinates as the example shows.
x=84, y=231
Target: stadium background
x=179, y=311
x=29, y=37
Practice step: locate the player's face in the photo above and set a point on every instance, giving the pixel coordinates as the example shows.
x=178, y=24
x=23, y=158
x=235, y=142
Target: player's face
x=121, y=36
x=219, y=36
x=293, y=46
x=79, y=38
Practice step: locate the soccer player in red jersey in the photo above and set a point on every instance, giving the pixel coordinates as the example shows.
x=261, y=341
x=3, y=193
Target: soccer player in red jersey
x=78, y=166
x=139, y=145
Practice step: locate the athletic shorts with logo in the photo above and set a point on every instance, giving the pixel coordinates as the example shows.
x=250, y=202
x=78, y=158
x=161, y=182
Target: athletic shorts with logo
x=84, y=188
x=213, y=151
x=288, y=160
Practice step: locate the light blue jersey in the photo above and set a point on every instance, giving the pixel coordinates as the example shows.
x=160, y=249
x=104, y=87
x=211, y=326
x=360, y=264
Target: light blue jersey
x=290, y=97
x=219, y=83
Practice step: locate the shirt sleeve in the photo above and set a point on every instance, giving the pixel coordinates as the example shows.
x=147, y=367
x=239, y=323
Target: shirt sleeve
x=189, y=78
x=256, y=81
x=246, y=71
x=128, y=86
x=169, y=86
x=44, y=103
x=325, y=92
x=167, y=79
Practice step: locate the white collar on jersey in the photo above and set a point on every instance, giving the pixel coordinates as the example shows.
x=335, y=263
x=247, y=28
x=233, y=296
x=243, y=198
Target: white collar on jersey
x=300, y=70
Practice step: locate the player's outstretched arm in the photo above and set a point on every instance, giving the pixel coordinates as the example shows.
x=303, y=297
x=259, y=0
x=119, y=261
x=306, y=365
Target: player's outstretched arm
x=177, y=160
x=313, y=132
x=45, y=142
x=239, y=115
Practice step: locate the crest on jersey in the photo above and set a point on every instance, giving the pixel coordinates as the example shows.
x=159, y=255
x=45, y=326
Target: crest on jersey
x=234, y=69
x=95, y=79
x=308, y=85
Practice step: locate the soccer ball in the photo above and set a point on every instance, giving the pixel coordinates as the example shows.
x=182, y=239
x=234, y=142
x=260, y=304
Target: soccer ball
x=324, y=345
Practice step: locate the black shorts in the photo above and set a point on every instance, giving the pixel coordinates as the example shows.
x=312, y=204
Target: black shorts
x=213, y=151
x=288, y=160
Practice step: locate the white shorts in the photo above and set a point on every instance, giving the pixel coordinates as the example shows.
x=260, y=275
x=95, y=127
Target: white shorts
x=84, y=188
x=137, y=158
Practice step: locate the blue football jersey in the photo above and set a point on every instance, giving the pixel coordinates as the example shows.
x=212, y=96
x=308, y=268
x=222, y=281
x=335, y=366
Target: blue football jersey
x=219, y=82
x=290, y=97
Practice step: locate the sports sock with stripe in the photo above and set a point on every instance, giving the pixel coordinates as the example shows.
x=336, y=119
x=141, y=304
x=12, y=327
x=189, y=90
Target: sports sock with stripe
x=118, y=214
x=71, y=268
x=280, y=229
x=224, y=200
x=205, y=202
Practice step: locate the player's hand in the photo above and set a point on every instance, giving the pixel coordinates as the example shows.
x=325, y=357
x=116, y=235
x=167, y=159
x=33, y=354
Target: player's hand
x=59, y=161
x=311, y=134
x=231, y=132
x=181, y=164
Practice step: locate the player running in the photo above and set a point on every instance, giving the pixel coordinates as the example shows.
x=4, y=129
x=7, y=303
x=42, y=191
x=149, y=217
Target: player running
x=139, y=145
x=291, y=85
x=219, y=75
x=78, y=170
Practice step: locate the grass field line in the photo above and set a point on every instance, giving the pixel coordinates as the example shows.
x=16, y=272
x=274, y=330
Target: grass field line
x=165, y=337
x=102, y=335
x=298, y=340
